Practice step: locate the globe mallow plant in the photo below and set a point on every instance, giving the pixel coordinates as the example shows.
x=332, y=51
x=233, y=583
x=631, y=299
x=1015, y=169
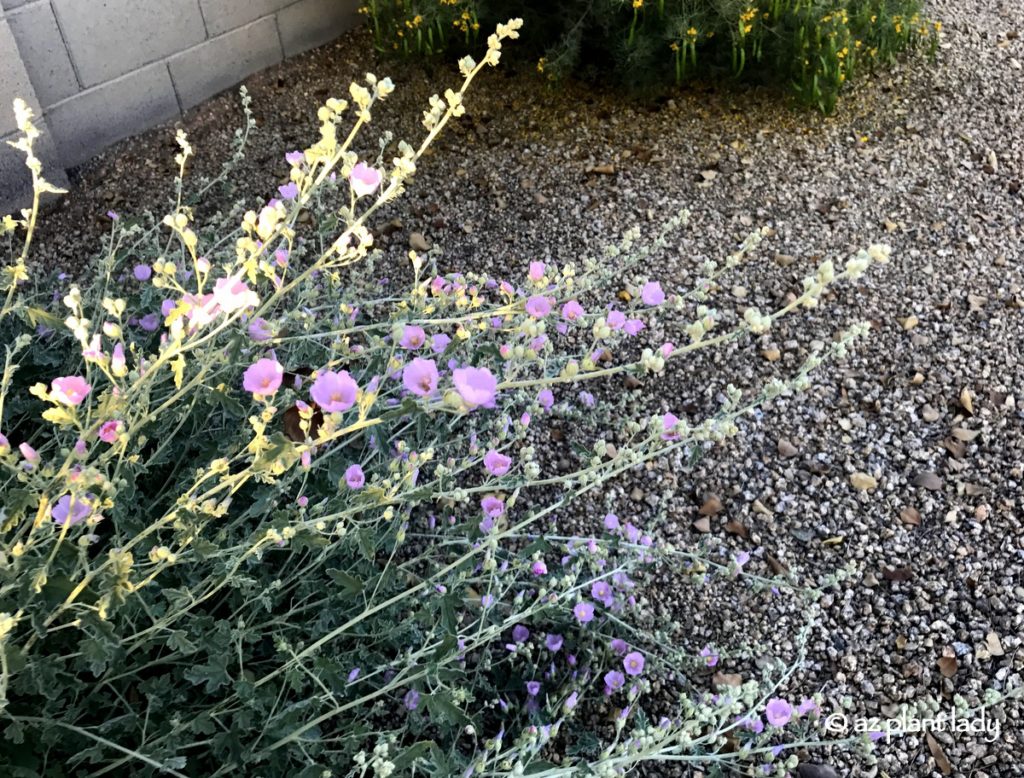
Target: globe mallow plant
x=267, y=513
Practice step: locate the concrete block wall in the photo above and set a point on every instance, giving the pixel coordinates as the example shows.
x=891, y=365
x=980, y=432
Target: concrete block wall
x=97, y=71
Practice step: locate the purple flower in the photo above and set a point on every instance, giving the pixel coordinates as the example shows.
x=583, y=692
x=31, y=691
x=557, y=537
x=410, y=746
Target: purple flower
x=651, y=294
x=554, y=643
x=420, y=377
x=294, y=158
x=611, y=522
x=533, y=688
x=259, y=330
x=353, y=674
x=354, y=477
x=142, y=272
x=710, y=657
x=539, y=568
x=109, y=431
x=572, y=310
x=546, y=399
x=520, y=634
x=613, y=681
x=633, y=662
x=334, y=392
x=439, y=342
x=497, y=463
x=69, y=390
x=619, y=646
x=616, y=320
x=778, y=712
x=477, y=386
x=412, y=337
x=364, y=179
x=30, y=454
x=493, y=507
x=742, y=558
x=537, y=270
x=807, y=705
x=601, y=591
x=587, y=399
x=668, y=424
x=150, y=322
x=584, y=612
x=70, y=510
x=411, y=699
x=571, y=700
x=633, y=327
x=263, y=377
x=289, y=191
x=538, y=306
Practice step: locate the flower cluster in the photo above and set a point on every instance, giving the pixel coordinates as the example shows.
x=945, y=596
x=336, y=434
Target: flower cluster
x=301, y=523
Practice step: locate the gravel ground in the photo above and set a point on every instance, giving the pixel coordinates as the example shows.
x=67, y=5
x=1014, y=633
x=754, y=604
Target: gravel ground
x=929, y=160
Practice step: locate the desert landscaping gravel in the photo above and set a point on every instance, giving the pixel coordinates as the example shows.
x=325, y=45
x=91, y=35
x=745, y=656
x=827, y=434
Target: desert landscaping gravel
x=903, y=463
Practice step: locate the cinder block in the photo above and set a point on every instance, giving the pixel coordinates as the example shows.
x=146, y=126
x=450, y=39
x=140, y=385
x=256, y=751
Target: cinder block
x=222, y=62
x=224, y=15
x=42, y=49
x=311, y=23
x=14, y=80
x=92, y=120
x=16, y=181
x=110, y=38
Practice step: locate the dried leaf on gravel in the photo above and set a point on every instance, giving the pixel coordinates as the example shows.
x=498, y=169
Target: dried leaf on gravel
x=967, y=400
x=941, y=761
x=948, y=665
x=727, y=679
x=955, y=447
x=928, y=480
x=904, y=573
x=863, y=482
x=963, y=434
x=994, y=644
x=909, y=322
x=734, y=527
x=910, y=515
x=712, y=506
x=702, y=525
x=779, y=568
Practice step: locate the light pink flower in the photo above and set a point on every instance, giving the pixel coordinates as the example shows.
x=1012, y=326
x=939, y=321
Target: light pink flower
x=334, y=392
x=778, y=712
x=5, y=444
x=259, y=330
x=633, y=662
x=668, y=424
x=69, y=390
x=652, y=294
x=364, y=179
x=202, y=309
x=30, y=454
x=477, y=386
x=572, y=310
x=537, y=270
x=420, y=377
x=109, y=431
x=354, y=477
x=232, y=294
x=497, y=463
x=493, y=507
x=70, y=510
x=538, y=306
x=117, y=363
x=412, y=337
x=263, y=377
